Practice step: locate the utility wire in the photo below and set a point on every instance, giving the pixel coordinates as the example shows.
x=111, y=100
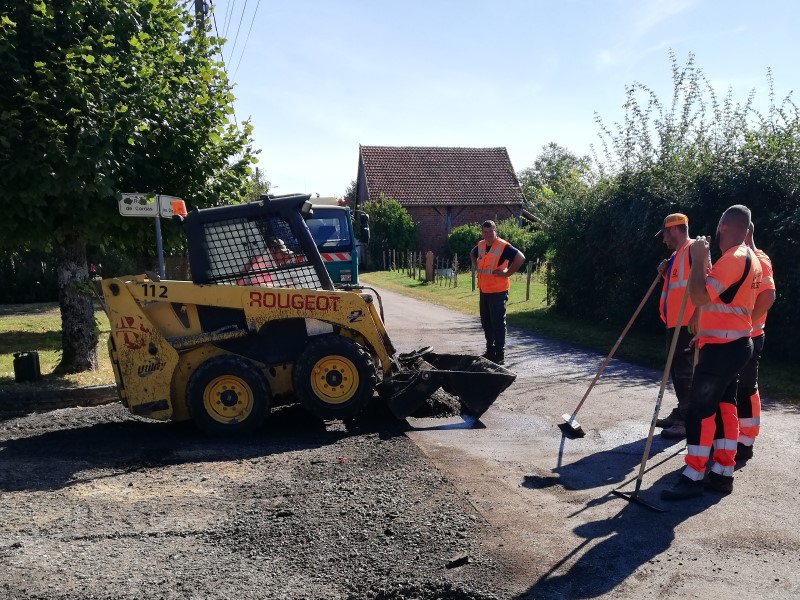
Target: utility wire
x=228, y=15
x=244, y=46
x=222, y=59
x=238, y=29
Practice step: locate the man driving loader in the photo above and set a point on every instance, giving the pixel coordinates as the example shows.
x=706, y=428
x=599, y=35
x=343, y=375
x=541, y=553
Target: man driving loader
x=256, y=272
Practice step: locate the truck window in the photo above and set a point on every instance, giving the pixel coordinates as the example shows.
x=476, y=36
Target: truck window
x=330, y=230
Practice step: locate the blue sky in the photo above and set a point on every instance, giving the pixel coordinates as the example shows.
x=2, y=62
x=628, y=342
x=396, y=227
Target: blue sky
x=319, y=77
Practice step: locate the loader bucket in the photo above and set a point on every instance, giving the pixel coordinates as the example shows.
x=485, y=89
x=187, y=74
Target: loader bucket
x=475, y=380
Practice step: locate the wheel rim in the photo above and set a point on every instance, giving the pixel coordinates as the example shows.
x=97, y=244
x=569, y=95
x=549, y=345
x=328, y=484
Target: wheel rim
x=228, y=399
x=334, y=379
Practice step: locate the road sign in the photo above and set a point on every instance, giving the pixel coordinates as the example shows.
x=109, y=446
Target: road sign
x=138, y=205
x=166, y=205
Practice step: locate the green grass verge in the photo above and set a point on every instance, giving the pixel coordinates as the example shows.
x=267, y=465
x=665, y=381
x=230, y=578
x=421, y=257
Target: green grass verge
x=37, y=328
x=780, y=380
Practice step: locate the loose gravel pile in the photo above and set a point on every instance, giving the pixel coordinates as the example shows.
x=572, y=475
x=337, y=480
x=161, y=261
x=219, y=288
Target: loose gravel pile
x=99, y=504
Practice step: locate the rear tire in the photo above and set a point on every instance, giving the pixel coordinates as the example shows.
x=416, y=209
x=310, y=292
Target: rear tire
x=334, y=377
x=228, y=395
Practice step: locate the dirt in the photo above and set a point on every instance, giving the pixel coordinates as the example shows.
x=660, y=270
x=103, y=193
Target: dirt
x=99, y=504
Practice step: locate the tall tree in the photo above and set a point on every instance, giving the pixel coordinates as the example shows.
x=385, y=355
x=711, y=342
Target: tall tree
x=555, y=171
x=98, y=97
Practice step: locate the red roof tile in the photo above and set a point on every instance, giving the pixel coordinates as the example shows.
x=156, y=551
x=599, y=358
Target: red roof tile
x=426, y=176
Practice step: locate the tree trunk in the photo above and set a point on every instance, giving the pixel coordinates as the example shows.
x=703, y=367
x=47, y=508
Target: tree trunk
x=78, y=329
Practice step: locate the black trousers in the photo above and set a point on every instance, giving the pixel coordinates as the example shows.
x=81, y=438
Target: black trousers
x=493, y=319
x=682, y=368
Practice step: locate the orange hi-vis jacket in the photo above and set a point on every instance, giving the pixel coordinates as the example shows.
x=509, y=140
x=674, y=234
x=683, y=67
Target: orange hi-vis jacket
x=488, y=262
x=676, y=280
x=732, y=285
x=767, y=283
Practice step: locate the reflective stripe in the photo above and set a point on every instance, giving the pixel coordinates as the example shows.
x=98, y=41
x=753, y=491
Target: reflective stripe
x=676, y=285
x=693, y=450
x=746, y=440
x=693, y=474
x=484, y=271
x=716, y=285
x=758, y=328
x=724, y=334
x=725, y=308
x=720, y=470
x=751, y=422
x=723, y=444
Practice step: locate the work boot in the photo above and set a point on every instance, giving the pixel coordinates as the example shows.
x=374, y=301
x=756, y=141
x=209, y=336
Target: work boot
x=719, y=483
x=685, y=488
x=669, y=419
x=499, y=357
x=743, y=453
x=676, y=431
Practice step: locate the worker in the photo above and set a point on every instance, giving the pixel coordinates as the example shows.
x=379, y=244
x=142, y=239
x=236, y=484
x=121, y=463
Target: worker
x=748, y=398
x=260, y=269
x=727, y=295
x=494, y=260
x=675, y=271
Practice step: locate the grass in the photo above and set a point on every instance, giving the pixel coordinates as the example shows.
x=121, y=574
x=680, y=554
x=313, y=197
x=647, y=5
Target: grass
x=780, y=380
x=37, y=327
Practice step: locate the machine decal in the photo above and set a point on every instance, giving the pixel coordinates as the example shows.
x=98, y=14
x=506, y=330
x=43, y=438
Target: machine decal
x=131, y=331
x=154, y=291
x=355, y=316
x=296, y=301
x=150, y=367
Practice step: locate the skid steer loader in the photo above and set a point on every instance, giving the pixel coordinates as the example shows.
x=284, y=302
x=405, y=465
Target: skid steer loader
x=261, y=323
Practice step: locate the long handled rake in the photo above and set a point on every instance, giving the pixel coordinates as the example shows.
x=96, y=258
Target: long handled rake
x=634, y=496
x=570, y=426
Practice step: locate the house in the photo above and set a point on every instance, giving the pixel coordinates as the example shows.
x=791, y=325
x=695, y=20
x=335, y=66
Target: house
x=441, y=188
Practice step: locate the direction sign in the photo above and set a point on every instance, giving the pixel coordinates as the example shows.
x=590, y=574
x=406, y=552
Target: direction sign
x=166, y=205
x=138, y=205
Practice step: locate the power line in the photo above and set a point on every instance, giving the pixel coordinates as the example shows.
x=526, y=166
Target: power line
x=238, y=29
x=228, y=15
x=244, y=46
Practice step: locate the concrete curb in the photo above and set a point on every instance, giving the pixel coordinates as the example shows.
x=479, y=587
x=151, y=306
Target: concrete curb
x=15, y=404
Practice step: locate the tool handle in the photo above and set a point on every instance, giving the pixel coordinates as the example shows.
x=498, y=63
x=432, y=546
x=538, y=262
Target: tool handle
x=616, y=345
x=664, y=378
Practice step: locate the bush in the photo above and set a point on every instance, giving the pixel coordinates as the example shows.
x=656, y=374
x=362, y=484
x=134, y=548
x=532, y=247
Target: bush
x=391, y=227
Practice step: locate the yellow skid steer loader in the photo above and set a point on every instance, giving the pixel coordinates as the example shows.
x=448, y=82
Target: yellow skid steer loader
x=261, y=323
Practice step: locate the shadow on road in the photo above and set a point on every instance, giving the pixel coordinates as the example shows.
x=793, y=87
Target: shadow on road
x=612, y=549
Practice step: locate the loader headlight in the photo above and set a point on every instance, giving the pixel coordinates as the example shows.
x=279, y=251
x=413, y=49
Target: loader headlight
x=367, y=298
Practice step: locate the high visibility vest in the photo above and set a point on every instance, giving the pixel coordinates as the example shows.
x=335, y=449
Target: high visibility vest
x=488, y=262
x=733, y=285
x=676, y=280
x=767, y=283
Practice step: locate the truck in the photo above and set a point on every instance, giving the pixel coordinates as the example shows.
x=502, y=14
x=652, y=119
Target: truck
x=331, y=226
x=261, y=324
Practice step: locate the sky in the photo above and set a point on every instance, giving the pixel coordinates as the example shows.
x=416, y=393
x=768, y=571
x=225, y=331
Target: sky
x=316, y=78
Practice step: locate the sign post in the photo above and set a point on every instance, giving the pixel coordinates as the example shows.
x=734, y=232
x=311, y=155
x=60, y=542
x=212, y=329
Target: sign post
x=154, y=206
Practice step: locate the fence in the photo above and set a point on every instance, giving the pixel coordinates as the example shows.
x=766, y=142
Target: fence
x=445, y=272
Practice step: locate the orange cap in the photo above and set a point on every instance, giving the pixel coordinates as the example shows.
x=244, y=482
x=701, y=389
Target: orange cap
x=672, y=220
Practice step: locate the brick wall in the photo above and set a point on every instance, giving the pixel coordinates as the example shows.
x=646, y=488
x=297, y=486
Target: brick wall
x=432, y=221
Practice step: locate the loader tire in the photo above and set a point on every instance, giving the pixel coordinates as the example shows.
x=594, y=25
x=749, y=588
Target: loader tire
x=334, y=377
x=228, y=395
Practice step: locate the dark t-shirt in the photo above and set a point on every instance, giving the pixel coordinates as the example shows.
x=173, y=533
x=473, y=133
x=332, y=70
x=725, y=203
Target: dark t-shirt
x=509, y=253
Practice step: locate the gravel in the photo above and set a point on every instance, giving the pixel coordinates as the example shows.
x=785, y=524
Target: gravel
x=97, y=503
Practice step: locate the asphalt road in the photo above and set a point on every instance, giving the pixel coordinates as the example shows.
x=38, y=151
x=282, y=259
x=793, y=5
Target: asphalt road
x=560, y=529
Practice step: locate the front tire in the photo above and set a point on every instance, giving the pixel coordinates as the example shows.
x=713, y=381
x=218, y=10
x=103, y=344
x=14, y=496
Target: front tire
x=228, y=395
x=334, y=377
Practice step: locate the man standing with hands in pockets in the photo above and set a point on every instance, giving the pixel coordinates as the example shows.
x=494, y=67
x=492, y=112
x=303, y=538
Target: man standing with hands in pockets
x=727, y=296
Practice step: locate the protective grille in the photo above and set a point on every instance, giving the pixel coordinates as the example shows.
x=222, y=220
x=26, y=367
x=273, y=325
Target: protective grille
x=263, y=252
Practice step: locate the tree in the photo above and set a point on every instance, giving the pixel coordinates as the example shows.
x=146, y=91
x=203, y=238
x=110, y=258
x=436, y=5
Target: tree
x=256, y=186
x=100, y=97
x=555, y=171
x=391, y=227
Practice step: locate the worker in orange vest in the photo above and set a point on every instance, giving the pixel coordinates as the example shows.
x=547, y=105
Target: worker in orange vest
x=748, y=398
x=727, y=295
x=494, y=260
x=675, y=271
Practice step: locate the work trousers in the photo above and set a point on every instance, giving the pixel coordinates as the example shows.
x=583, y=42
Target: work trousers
x=493, y=319
x=748, y=398
x=712, y=419
x=682, y=368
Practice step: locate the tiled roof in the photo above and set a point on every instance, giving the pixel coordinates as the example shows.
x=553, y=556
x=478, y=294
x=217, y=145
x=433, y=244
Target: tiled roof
x=425, y=176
